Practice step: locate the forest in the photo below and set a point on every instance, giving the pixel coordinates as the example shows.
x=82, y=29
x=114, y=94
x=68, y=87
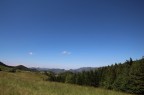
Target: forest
x=127, y=77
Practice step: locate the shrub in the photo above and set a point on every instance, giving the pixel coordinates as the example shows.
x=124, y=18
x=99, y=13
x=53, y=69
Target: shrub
x=12, y=70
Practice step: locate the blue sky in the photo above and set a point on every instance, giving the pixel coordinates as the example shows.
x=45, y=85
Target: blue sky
x=70, y=33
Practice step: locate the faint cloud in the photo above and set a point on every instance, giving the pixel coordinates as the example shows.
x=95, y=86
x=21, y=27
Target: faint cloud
x=66, y=53
x=30, y=53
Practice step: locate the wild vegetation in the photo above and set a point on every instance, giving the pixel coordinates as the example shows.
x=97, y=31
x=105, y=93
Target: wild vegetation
x=126, y=77
x=31, y=83
x=109, y=80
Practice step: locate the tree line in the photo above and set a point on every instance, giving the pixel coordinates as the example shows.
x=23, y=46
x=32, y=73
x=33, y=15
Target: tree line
x=127, y=77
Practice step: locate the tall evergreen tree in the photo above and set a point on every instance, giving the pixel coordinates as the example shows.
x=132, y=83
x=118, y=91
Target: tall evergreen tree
x=137, y=77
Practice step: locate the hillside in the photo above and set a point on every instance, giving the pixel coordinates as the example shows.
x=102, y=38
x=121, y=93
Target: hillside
x=31, y=83
x=124, y=77
x=5, y=67
x=127, y=77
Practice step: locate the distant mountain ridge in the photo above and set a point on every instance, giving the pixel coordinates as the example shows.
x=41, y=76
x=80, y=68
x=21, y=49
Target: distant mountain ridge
x=19, y=67
x=2, y=64
x=55, y=70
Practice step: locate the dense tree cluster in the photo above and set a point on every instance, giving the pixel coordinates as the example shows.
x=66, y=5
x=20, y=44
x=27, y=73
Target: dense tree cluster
x=127, y=77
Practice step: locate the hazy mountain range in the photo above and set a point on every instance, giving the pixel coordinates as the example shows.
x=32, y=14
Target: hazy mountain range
x=55, y=70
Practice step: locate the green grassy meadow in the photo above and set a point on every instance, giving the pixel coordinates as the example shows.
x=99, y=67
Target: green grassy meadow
x=31, y=83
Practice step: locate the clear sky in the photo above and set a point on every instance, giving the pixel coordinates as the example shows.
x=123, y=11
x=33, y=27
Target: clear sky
x=70, y=33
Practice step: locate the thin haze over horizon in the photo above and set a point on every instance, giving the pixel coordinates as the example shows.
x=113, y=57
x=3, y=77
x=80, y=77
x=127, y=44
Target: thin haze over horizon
x=70, y=33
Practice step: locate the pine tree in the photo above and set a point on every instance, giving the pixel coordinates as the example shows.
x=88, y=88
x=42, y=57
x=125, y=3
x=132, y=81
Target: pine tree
x=137, y=77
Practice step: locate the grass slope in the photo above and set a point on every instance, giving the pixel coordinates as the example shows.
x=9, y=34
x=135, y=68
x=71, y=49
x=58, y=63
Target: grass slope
x=30, y=83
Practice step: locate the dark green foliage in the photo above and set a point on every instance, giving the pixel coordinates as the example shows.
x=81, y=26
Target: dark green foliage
x=51, y=76
x=12, y=70
x=127, y=77
x=70, y=78
x=137, y=77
